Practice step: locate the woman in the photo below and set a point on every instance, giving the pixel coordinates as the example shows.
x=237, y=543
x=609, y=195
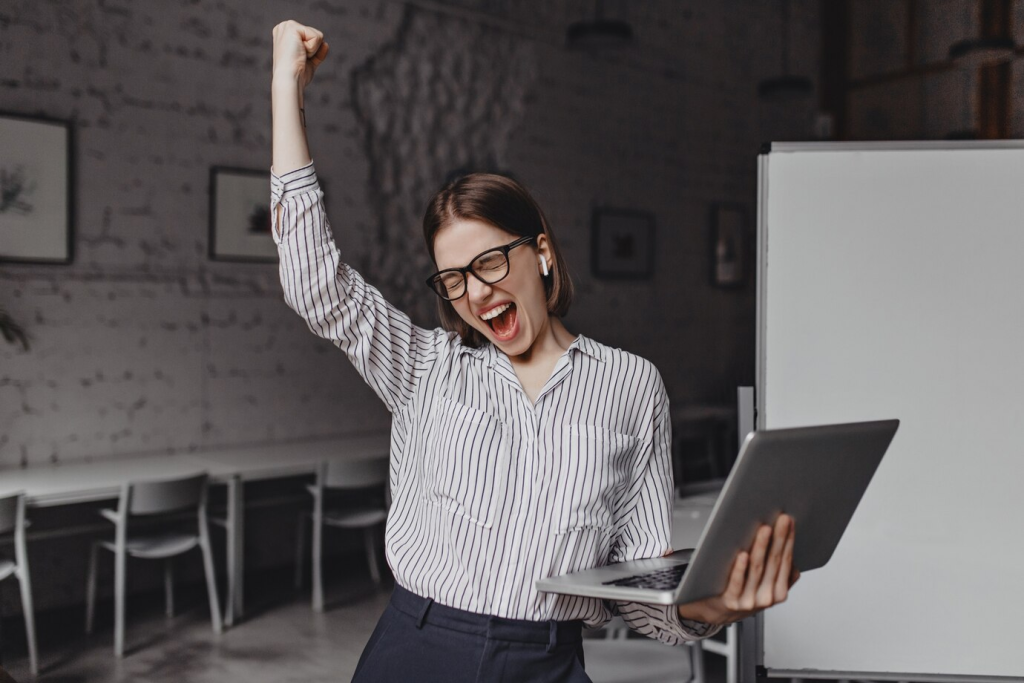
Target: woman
x=519, y=450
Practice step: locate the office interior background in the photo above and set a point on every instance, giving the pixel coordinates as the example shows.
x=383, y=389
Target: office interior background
x=144, y=344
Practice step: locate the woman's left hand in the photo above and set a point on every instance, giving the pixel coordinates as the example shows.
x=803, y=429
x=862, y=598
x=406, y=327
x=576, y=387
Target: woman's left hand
x=760, y=578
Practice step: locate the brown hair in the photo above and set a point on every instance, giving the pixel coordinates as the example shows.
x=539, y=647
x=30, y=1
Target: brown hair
x=505, y=204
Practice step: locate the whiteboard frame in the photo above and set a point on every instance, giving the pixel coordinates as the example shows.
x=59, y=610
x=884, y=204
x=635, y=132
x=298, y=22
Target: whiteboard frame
x=759, y=671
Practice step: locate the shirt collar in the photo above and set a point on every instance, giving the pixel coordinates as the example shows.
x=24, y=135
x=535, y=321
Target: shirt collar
x=489, y=353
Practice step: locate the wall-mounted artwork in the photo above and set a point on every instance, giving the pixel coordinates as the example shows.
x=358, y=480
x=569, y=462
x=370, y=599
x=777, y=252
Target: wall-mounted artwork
x=240, y=215
x=622, y=243
x=35, y=189
x=728, y=244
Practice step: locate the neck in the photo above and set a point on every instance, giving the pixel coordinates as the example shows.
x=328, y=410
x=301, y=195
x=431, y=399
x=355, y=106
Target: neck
x=552, y=342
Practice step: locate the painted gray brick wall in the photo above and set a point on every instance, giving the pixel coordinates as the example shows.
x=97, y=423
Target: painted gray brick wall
x=143, y=345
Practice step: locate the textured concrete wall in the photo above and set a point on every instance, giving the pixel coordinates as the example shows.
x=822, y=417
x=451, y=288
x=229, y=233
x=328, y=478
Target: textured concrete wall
x=144, y=345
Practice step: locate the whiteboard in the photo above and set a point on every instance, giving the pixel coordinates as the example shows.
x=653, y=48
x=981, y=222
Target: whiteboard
x=891, y=285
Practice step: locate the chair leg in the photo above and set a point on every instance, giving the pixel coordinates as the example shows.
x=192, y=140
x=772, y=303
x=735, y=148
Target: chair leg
x=90, y=589
x=300, y=549
x=318, y=579
x=169, y=586
x=732, y=659
x=697, y=674
x=371, y=553
x=30, y=619
x=211, y=578
x=120, y=567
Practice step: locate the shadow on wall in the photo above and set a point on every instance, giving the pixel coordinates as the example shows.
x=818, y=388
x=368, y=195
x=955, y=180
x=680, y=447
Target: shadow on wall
x=444, y=94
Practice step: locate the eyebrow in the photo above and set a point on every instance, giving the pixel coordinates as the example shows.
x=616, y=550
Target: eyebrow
x=499, y=246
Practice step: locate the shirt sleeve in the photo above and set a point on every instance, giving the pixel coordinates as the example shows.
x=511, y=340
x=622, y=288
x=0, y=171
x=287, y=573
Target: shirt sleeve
x=387, y=350
x=644, y=529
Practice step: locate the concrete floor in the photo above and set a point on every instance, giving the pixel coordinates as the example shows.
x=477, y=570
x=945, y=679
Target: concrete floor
x=281, y=640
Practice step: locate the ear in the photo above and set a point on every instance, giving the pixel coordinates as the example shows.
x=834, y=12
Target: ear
x=543, y=246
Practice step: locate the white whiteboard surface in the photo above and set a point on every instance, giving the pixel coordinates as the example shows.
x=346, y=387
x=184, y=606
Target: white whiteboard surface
x=891, y=284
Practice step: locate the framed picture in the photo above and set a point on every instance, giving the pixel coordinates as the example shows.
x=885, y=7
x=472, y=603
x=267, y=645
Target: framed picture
x=728, y=244
x=622, y=243
x=36, y=206
x=240, y=215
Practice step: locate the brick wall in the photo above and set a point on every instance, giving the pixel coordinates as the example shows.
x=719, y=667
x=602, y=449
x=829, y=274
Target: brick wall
x=144, y=345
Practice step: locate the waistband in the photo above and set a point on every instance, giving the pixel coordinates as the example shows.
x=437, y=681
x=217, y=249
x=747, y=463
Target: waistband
x=425, y=610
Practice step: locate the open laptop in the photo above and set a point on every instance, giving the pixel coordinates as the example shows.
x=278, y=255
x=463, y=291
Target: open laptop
x=815, y=474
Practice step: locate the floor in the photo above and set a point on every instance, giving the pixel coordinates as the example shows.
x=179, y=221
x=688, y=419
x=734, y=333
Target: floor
x=281, y=640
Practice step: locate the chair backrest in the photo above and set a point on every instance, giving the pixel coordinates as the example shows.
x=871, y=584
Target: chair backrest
x=9, y=513
x=346, y=473
x=166, y=495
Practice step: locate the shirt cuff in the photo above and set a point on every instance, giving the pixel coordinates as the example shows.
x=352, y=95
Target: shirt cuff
x=292, y=183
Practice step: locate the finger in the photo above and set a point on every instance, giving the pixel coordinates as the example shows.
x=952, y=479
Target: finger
x=733, y=590
x=794, y=577
x=756, y=569
x=312, y=40
x=766, y=589
x=784, y=579
x=320, y=55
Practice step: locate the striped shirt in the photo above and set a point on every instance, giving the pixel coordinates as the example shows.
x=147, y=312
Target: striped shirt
x=491, y=491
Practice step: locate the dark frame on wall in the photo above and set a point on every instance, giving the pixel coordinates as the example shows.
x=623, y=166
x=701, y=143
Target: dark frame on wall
x=622, y=243
x=728, y=245
x=36, y=170
x=239, y=221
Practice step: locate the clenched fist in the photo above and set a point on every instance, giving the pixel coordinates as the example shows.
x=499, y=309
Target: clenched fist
x=298, y=51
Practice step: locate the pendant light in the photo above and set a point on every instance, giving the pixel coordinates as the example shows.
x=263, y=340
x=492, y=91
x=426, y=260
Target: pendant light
x=787, y=87
x=599, y=33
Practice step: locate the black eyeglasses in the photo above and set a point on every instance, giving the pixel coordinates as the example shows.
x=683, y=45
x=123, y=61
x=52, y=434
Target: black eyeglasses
x=489, y=267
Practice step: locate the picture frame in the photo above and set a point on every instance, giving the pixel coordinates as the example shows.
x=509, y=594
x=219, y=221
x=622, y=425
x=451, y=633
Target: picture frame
x=239, y=225
x=36, y=189
x=728, y=245
x=622, y=243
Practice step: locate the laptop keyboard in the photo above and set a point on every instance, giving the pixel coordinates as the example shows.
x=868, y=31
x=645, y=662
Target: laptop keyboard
x=662, y=579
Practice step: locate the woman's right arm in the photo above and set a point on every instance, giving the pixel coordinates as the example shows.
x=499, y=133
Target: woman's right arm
x=387, y=350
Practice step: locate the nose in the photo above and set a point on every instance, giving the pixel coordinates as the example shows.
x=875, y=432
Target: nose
x=477, y=290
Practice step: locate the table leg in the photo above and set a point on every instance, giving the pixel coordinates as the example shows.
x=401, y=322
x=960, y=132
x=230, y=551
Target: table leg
x=236, y=551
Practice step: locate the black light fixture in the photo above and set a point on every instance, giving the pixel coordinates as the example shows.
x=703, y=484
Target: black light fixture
x=599, y=33
x=975, y=52
x=787, y=87
x=994, y=43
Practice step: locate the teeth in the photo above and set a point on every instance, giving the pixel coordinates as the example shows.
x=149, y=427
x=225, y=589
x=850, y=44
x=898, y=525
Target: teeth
x=494, y=312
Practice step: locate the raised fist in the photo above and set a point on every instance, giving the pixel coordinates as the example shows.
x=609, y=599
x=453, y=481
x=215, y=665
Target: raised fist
x=298, y=51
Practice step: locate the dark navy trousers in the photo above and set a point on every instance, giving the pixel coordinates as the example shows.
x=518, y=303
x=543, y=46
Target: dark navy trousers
x=419, y=640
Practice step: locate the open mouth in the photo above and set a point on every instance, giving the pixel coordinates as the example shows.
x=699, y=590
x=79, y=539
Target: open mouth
x=502, y=321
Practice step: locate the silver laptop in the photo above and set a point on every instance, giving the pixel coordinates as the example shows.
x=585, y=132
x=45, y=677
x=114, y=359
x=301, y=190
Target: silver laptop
x=815, y=474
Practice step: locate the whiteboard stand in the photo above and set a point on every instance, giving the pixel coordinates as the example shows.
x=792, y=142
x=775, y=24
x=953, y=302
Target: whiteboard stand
x=888, y=285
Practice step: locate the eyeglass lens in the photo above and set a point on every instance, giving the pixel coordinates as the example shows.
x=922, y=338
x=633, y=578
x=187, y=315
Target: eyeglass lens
x=490, y=267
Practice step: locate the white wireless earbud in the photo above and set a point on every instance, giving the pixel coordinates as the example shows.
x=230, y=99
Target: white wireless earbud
x=544, y=265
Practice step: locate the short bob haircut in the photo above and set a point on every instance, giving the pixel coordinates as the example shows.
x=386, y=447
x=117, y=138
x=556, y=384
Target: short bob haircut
x=505, y=204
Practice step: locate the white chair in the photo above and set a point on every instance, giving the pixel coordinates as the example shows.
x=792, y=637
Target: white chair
x=13, y=523
x=335, y=475
x=152, y=499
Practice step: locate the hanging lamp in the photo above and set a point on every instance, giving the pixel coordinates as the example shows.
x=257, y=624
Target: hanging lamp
x=787, y=87
x=598, y=33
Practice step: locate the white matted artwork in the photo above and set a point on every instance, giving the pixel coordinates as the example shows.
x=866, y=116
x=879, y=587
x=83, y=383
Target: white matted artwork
x=35, y=189
x=240, y=215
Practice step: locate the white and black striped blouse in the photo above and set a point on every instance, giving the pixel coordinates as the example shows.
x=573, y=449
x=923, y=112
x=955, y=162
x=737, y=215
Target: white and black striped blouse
x=492, y=492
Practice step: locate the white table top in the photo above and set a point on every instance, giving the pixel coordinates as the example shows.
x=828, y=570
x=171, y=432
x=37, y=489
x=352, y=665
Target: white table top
x=81, y=482
x=283, y=460
x=95, y=480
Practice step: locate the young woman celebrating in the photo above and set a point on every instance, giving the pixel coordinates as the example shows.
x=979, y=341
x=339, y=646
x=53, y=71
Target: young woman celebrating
x=518, y=449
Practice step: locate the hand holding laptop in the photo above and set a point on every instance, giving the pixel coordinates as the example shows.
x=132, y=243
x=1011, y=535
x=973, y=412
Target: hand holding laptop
x=746, y=558
x=759, y=578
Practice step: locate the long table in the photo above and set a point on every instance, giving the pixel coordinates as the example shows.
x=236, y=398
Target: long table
x=100, y=480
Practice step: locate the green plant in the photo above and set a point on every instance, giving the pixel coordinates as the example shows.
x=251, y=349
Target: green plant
x=12, y=331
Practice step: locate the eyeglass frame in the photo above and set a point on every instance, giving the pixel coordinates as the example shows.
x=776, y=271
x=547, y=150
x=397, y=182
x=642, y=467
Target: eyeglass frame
x=466, y=270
